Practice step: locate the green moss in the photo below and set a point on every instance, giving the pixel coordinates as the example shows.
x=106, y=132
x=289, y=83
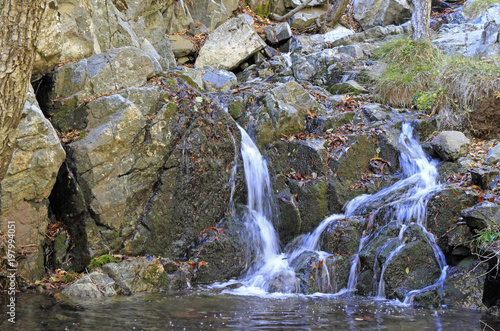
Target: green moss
x=262, y=10
x=98, y=262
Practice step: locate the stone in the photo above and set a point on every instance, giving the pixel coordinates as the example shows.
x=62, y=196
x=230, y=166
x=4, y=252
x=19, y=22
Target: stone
x=337, y=33
x=376, y=112
x=493, y=155
x=450, y=145
x=490, y=41
x=181, y=45
x=230, y=45
x=491, y=14
x=101, y=73
x=276, y=34
x=483, y=177
x=136, y=274
x=49, y=43
x=464, y=284
x=349, y=87
x=177, y=18
x=296, y=3
x=211, y=13
x=247, y=18
x=307, y=17
x=463, y=39
x=209, y=79
x=481, y=215
x=95, y=285
x=286, y=107
x=370, y=13
x=195, y=29
x=290, y=221
x=25, y=190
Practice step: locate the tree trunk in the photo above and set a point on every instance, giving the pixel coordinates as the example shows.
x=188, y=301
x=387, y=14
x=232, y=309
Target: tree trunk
x=20, y=22
x=420, y=19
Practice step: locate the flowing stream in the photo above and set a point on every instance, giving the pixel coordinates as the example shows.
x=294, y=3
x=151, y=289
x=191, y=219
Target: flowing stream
x=404, y=202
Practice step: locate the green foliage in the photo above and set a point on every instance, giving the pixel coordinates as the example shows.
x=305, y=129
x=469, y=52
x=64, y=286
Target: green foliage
x=488, y=236
x=419, y=75
x=98, y=262
x=477, y=7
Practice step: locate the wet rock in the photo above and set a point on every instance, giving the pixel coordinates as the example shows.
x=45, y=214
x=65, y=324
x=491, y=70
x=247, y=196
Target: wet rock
x=225, y=249
x=450, y=145
x=92, y=286
x=373, y=13
x=493, y=155
x=29, y=180
x=350, y=163
x=484, y=177
x=349, y=87
x=102, y=73
x=137, y=274
x=312, y=202
x=481, y=215
x=181, y=45
x=289, y=218
x=230, y=45
x=464, y=285
x=376, y=112
x=284, y=282
x=276, y=34
x=307, y=17
x=177, y=18
x=342, y=237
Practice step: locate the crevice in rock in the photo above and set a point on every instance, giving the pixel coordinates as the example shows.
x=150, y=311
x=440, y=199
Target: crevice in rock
x=42, y=88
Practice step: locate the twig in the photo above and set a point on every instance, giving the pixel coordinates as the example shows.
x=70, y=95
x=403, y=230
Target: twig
x=290, y=13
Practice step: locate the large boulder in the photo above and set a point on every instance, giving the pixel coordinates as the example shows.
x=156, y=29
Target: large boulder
x=95, y=26
x=177, y=18
x=230, y=45
x=463, y=39
x=211, y=13
x=493, y=155
x=482, y=215
x=370, y=13
x=307, y=17
x=100, y=74
x=95, y=285
x=25, y=190
x=450, y=145
x=490, y=41
x=136, y=168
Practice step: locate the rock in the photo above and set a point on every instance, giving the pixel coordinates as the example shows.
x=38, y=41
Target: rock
x=464, y=284
x=312, y=202
x=290, y=221
x=195, y=29
x=481, y=215
x=25, y=190
x=491, y=14
x=376, y=112
x=247, y=18
x=307, y=17
x=490, y=41
x=102, y=73
x=349, y=87
x=48, y=44
x=209, y=79
x=342, y=237
x=181, y=45
x=450, y=145
x=483, y=177
x=493, y=155
x=336, y=34
x=177, y=18
x=211, y=13
x=296, y=3
x=286, y=107
x=95, y=285
x=276, y=34
x=463, y=39
x=230, y=45
x=372, y=13
x=136, y=274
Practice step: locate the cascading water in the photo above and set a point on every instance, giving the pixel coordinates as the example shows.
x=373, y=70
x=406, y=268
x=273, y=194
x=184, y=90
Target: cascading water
x=405, y=202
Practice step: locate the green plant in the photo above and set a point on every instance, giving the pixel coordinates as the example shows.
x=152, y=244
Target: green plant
x=98, y=262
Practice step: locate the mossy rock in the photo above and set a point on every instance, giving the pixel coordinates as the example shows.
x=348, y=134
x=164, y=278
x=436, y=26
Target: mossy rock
x=98, y=262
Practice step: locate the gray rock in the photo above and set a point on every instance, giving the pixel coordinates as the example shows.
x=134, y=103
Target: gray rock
x=209, y=79
x=491, y=14
x=177, y=17
x=483, y=177
x=450, y=145
x=137, y=274
x=490, y=41
x=92, y=286
x=493, y=155
x=25, y=190
x=230, y=45
x=247, y=18
x=337, y=33
x=195, y=30
x=307, y=17
x=276, y=34
x=481, y=215
x=48, y=44
x=102, y=73
x=370, y=13
x=463, y=39
x=181, y=46
x=376, y=112
x=211, y=13
x=296, y=3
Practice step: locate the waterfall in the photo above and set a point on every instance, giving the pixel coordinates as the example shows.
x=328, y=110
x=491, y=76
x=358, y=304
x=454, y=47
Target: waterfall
x=406, y=200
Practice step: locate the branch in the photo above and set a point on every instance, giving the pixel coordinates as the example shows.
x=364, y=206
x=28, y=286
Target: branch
x=290, y=13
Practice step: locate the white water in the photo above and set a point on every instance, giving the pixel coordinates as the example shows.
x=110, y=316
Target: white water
x=407, y=202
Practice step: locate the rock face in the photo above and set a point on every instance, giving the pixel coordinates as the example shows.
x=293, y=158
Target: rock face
x=450, y=145
x=211, y=13
x=208, y=79
x=25, y=189
x=148, y=151
x=230, y=45
x=370, y=13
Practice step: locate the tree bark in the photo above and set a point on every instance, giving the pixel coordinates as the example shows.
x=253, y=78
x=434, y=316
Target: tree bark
x=420, y=19
x=20, y=22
